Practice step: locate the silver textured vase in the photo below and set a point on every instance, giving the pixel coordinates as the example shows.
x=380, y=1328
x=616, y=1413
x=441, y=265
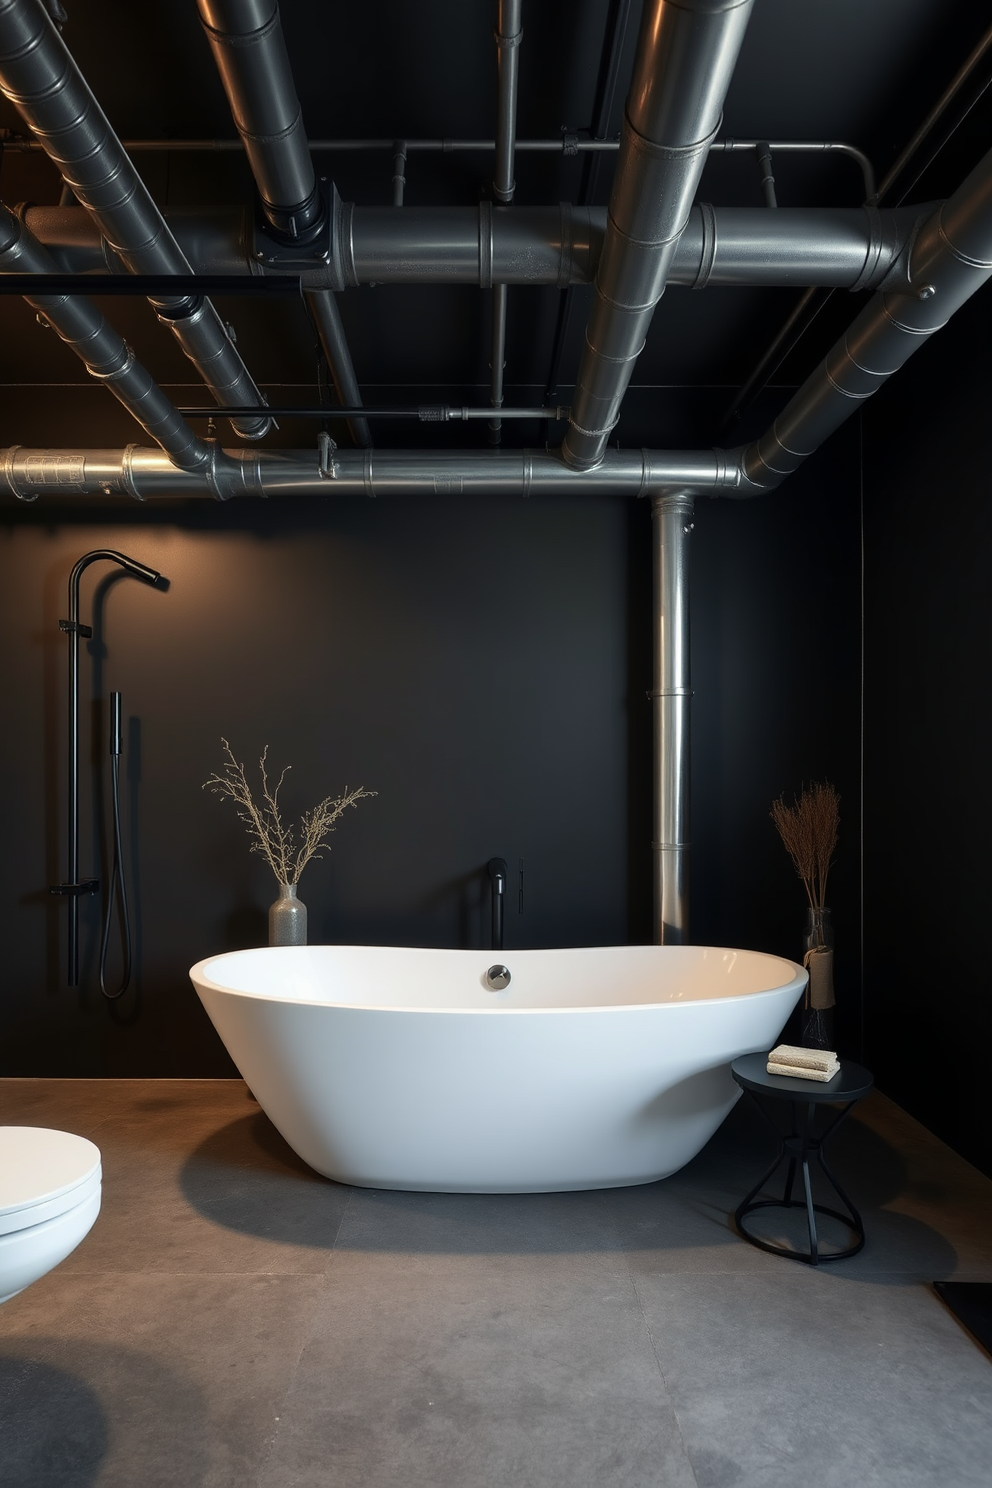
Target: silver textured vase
x=287, y=918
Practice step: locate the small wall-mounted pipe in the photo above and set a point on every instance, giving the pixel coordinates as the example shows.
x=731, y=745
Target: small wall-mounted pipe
x=671, y=700
x=686, y=55
x=764, y=158
x=399, y=172
x=41, y=79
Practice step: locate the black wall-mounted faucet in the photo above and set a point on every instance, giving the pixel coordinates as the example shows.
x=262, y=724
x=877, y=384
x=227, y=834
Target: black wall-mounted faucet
x=497, y=880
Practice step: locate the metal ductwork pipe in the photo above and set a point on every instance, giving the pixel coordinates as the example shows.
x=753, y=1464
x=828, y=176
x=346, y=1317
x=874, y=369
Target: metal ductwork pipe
x=104, y=353
x=671, y=703
x=686, y=54
x=249, y=48
x=949, y=260
x=41, y=79
x=148, y=474
x=842, y=247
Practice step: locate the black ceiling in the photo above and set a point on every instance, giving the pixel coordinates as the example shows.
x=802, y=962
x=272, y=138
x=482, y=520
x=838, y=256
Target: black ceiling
x=862, y=73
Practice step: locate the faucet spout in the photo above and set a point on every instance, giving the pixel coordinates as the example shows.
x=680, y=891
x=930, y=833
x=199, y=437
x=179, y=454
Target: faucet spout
x=497, y=881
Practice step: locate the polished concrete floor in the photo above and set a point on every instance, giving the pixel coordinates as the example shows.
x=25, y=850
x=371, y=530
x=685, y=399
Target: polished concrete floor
x=235, y=1321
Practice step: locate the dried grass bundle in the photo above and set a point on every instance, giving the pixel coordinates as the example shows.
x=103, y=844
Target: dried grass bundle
x=809, y=828
x=272, y=839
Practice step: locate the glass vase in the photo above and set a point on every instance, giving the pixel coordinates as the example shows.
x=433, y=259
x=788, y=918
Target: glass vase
x=817, y=1021
x=287, y=918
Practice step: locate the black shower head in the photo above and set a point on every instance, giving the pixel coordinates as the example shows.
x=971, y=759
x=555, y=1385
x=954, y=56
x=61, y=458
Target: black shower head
x=140, y=570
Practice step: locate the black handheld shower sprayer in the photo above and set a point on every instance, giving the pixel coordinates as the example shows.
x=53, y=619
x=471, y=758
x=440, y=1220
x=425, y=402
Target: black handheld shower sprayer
x=74, y=887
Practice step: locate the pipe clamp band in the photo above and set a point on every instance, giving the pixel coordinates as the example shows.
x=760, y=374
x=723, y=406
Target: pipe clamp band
x=486, y=244
x=707, y=257
x=121, y=371
x=370, y=489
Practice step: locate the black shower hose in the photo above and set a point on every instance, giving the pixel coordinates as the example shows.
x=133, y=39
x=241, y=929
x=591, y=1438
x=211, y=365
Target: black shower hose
x=117, y=888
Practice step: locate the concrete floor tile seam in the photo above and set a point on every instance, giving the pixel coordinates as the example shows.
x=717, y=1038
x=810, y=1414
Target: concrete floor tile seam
x=666, y=1389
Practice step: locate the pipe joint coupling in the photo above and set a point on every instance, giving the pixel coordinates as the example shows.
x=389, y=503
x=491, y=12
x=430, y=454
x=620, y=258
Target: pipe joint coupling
x=173, y=311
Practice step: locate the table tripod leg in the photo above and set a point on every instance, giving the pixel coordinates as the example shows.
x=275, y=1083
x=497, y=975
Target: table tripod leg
x=810, y=1215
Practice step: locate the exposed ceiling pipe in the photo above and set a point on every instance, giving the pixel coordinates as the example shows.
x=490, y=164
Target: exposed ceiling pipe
x=149, y=475
x=803, y=314
x=509, y=34
x=950, y=259
x=841, y=247
x=104, y=353
x=567, y=144
x=686, y=54
x=614, y=38
x=249, y=48
x=41, y=79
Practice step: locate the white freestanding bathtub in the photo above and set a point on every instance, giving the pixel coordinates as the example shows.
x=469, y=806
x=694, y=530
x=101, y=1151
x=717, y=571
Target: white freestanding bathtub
x=594, y=1068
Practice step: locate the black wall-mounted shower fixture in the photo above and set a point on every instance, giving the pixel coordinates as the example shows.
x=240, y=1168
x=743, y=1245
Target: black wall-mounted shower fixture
x=74, y=887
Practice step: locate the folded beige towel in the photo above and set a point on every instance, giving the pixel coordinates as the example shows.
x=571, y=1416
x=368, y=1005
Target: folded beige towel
x=805, y=1058
x=803, y=1072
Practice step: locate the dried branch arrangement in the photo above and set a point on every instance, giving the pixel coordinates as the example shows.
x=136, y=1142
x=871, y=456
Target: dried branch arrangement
x=809, y=829
x=270, y=837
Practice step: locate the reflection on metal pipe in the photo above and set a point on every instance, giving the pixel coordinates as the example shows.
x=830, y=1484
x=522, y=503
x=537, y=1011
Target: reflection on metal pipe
x=41, y=79
x=671, y=699
x=686, y=55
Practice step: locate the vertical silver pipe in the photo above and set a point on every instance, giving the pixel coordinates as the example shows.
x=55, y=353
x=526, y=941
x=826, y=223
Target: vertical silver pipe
x=325, y=310
x=686, y=54
x=509, y=34
x=671, y=521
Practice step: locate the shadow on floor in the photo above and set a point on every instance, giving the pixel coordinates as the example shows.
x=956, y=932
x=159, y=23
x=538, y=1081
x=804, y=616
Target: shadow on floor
x=54, y=1428
x=247, y=1178
x=75, y=1414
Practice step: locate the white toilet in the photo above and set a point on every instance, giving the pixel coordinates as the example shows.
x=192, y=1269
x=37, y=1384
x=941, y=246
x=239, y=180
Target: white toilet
x=49, y=1198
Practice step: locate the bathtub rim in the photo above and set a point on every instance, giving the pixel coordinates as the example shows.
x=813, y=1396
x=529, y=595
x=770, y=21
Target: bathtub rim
x=796, y=983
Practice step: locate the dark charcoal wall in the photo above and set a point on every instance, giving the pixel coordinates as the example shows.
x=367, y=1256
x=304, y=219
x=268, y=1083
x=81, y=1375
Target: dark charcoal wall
x=483, y=666
x=928, y=785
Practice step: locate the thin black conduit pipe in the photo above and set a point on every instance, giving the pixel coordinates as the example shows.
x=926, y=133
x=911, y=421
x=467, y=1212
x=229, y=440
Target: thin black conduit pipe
x=117, y=887
x=73, y=888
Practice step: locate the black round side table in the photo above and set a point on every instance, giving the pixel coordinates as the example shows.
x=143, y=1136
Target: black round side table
x=801, y=1146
